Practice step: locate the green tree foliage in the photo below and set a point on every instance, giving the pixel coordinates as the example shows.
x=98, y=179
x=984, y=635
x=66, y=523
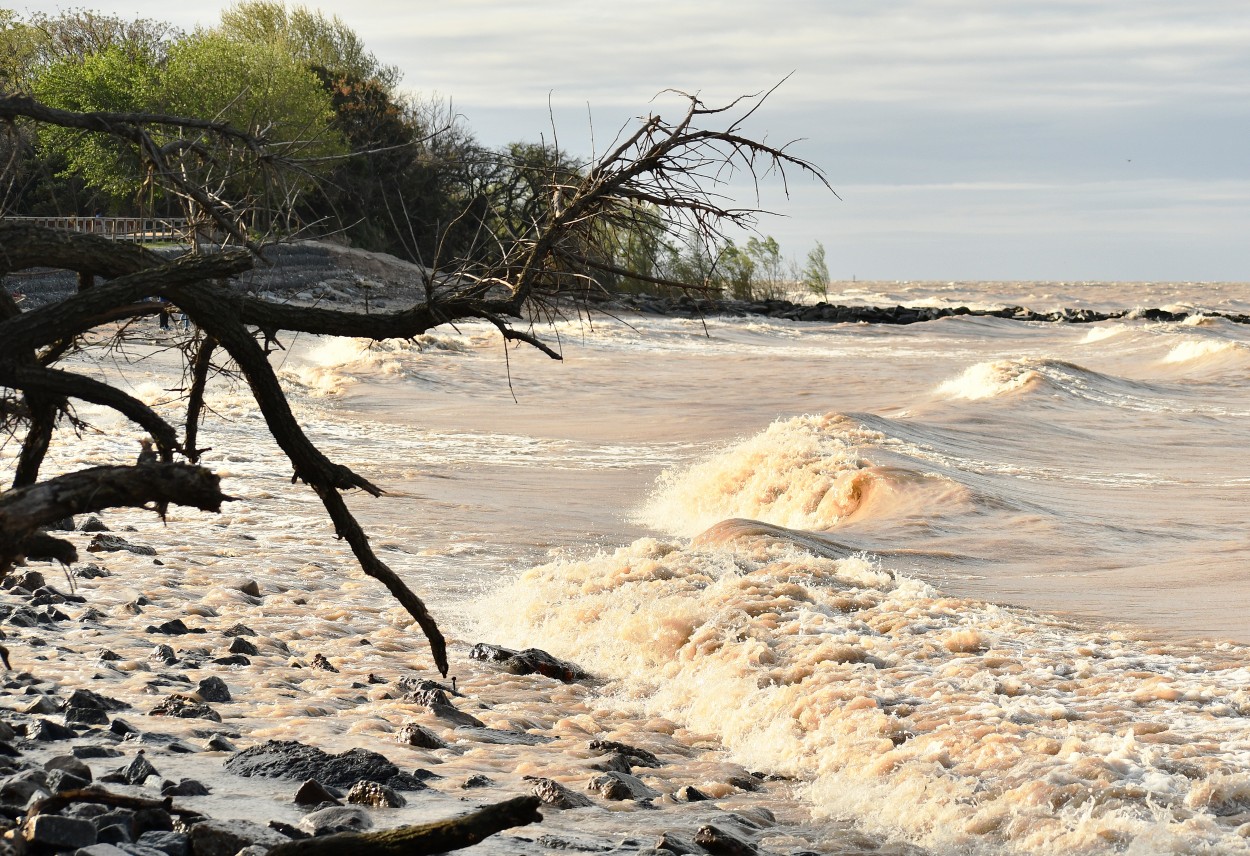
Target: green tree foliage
x=769, y=268
x=815, y=274
x=113, y=79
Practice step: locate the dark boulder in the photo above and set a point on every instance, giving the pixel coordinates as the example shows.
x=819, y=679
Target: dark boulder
x=290, y=759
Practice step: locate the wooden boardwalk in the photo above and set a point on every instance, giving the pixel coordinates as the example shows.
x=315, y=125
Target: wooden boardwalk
x=136, y=229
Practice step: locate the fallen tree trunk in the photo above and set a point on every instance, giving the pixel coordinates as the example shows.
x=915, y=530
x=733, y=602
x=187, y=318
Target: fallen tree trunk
x=24, y=510
x=440, y=836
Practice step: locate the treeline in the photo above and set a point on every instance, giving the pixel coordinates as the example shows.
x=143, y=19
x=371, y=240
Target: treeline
x=359, y=158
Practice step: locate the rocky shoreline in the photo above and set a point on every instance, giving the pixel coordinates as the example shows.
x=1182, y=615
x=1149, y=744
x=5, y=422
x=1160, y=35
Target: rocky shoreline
x=161, y=738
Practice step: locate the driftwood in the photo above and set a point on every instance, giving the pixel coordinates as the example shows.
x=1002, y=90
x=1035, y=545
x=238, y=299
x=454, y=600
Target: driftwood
x=56, y=802
x=440, y=836
x=24, y=510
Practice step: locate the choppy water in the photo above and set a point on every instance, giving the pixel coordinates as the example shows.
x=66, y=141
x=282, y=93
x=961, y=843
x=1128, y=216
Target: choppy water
x=972, y=584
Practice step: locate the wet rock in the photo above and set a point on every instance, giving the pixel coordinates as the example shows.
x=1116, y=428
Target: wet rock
x=250, y=587
x=87, y=698
x=134, y=773
x=93, y=524
x=91, y=572
x=218, y=743
x=90, y=751
x=677, y=845
x=173, y=627
x=185, y=707
x=60, y=781
x=228, y=837
x=239, y=630
x=105, y=654
x=184, y=788
x=169, y=843
x=153, y=819
x=44, y=730
x=163, y=654
x=477, y=780
x=621, y=786
x=320, y=662
x=637, y=757
x=19, y=789
x=411, y=734
x=288, y=830
x=744, y=783
x=529, y=661
x=240, y=645
x=289, y=759
x=30, y=580
x=576, y=845
x=414, y=683
x=214, y=689
x=104, y=543
x=122, y=727
x=86, y=716
x=41, y=704
x=718, y=841
x=101, y=850
x=313, y=793
x=114, y=826
x=615, y=762
x=436, y=700
x=233, y=660
x=689, y=793
x=555, y=794
x=61, y=833
x=327, y=821
x=375, y=795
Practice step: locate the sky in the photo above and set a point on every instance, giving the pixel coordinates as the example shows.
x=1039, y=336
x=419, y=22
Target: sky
x=966, y=139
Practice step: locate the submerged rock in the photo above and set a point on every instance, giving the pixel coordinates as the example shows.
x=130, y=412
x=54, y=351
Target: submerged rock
x=621, y=786
x=185, y=707
x=411, y=734
x=328, y=821
x=637, y=757
x=104, y=543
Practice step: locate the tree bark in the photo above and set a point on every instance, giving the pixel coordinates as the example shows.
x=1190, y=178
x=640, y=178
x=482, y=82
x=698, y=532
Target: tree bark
x=423, y=839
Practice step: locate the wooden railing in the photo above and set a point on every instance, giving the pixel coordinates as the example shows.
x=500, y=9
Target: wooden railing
x=137, y=229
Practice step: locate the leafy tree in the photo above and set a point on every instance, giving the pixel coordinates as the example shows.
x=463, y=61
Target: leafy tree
x=769, y=268
x=739, y=271
x=815, y=274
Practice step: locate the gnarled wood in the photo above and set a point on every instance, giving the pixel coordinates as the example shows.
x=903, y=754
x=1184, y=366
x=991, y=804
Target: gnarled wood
x=425, y=839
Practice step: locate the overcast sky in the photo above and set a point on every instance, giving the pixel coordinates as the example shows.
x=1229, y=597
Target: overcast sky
x=968, y=139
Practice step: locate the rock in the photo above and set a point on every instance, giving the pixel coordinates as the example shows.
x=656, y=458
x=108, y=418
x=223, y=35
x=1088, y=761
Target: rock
x=689, y=793
x=184, y=788
x=233, y=660
x=250, y=587
x=104, y=543
x=69, y=764
x=621, y=786
x=239, y=630
x=214, y=689
x=134, y=773
x=411, y=734
x=153, y=819
x=163, y=654
x=114, y=826
x=414, y=684
x=528, y=662
x=477, y=780
x=615, y=762
x=91, y=572
x=288, y=830
x=45, y=730
x=31, y=581
x=173, y=627
x=60, y=833
x=320, y=662
x=122, y=727
x=185, y=707
x=218, y=743
x=228, y=837
x=678, y=845
x=744, y=783
x=239, y=645
x=637, y=757
x=90, y=751
x=89, y=699
x=555, y=794
x=327, y=821
x=86, y=716
x=375, y=795
x=581, y=845
x=289, y=759
x=101, y=850
x=169, y=843
x=42, y=704
x=716, y=840
x=60, y=781
x=93, y=524
x=19, y=790
x=105, y=655
x=438, y=703
x=500, y=737
x=312, y=792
